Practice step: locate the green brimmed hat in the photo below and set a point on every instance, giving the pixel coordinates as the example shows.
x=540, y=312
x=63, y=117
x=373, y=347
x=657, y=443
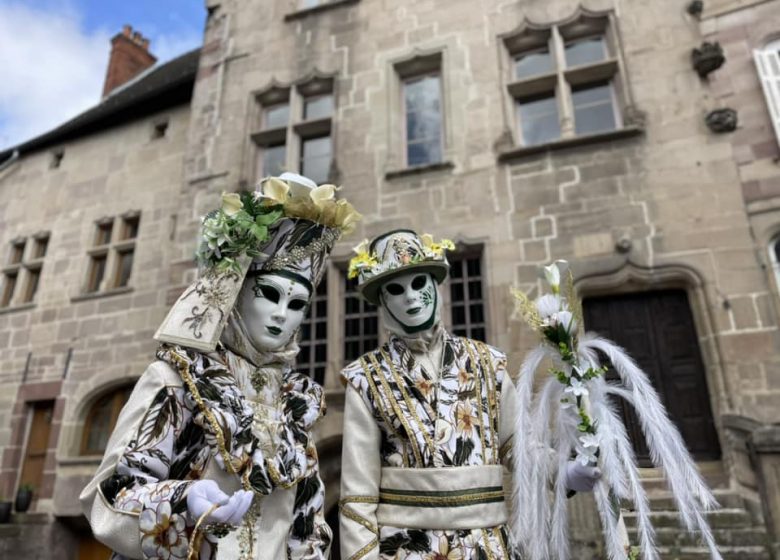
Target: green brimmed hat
x=397, y=252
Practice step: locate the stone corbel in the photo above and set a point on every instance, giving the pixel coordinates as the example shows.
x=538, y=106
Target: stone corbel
x=707, y=58
x=722, y=120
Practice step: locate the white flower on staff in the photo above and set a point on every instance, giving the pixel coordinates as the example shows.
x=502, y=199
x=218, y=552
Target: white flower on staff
x=553, y=276
x=548, y=305
x=565, y=318
x=576, y=388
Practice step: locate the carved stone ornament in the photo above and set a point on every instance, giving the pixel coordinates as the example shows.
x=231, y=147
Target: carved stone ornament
x=695, y=8
x=722, y=120
x=707, y=58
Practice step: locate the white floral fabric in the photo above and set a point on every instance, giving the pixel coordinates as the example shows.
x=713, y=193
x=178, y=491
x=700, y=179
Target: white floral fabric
x=175, y=441
x=421, y=420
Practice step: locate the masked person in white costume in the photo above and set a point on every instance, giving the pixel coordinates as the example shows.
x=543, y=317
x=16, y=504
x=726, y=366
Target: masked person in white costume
x=212, y=457
x=428, y=422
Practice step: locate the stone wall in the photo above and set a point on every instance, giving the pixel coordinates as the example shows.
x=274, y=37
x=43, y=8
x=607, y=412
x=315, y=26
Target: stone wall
x=89, y=344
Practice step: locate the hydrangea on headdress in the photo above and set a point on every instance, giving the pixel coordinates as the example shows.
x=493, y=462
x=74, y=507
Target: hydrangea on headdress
x=287, y=226
x=394, y=253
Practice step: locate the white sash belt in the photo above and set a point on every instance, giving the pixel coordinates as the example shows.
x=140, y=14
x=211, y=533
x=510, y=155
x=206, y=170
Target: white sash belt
x=442, y=498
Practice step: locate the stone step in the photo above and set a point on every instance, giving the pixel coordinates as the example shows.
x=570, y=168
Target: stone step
x=750, y=536
x=726, y=518
x=728, y=553
x=663, y=501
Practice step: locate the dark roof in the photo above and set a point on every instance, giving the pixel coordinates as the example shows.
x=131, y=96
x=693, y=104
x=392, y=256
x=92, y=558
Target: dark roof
x=157, y=88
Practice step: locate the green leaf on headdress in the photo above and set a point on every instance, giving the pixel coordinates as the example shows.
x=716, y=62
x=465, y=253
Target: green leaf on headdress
x=268, y=218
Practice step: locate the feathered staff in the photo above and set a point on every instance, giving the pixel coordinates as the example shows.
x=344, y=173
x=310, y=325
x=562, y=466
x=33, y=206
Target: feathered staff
x=574, y=415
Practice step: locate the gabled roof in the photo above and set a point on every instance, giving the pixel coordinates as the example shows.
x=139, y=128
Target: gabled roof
x=155, y=89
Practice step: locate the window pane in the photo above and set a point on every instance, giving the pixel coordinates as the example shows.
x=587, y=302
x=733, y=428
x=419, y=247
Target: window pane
x=32, y=285
x=125, y=267
x=276, y=116
x=533, y=64
x=318, y=107
x=422, y=103
x=99, y=426
x=41, y=245
x=539, y=120
x=130, y=230
x=17, y=252
x=9, y=285
x=360, y=323
x=315, y=159
x=424, y=152
x=593, y=109
x=96, y=273
x=776, y=251
x=103, y=235
x=585, y=51
x=313, y=338
x=274, y=160
x=466, y=296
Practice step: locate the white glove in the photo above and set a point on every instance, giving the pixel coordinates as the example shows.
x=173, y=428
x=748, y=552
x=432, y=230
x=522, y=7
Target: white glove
x=581, y=478
x=204, y=494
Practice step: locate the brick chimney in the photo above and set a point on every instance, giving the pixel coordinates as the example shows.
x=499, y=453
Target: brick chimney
x=129, y=57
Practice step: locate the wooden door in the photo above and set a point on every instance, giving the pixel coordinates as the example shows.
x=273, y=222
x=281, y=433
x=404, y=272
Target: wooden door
x=657, y=330
x=91, y=549
x=37, y=445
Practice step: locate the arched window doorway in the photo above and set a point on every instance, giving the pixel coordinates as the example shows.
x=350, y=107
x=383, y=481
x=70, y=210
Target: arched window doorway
x=101, y=419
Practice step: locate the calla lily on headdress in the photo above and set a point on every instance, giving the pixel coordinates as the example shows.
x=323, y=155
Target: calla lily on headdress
x=231, y=204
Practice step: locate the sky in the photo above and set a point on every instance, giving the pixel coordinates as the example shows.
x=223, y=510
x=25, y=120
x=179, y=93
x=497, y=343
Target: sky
x=54, y=54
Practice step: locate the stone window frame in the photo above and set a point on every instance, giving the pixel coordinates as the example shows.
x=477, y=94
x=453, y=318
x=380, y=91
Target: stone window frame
x=767, y=60
x=418, y=63
x=297, y=130
x=111, y=249
x=24, y=265
x=531, y=36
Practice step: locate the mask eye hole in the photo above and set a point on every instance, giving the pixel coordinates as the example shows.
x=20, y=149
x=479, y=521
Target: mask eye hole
x=419, y=282
x=296, y=304
x=394, y=289
x=268, y=292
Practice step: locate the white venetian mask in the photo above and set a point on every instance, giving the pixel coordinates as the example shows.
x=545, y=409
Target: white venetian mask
x=411, y=299
x=272, y=307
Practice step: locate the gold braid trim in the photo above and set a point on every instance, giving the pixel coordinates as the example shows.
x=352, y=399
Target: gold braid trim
x=500, y=537
x=490, y=382
x=478, y=384
x=357, y=518
x=184, y=371
x=397, y=409
x=378, y=399
x=488, y=549
x=365, y=550
x=197, y=534
x=409, y=404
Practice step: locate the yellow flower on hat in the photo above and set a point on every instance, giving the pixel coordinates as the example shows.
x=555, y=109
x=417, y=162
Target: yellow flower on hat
x=275, y=191
x=361, y=260
x=231, y=204
x=436, y=248
x=323, y=194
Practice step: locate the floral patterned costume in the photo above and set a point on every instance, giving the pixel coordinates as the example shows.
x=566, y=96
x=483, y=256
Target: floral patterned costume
x=188, y=419
x=447, y=434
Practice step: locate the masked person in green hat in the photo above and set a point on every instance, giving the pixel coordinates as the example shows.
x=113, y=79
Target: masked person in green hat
x=428, y=421
x=213, y=457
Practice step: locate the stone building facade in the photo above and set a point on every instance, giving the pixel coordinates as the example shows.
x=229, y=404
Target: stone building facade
x=526, y=131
